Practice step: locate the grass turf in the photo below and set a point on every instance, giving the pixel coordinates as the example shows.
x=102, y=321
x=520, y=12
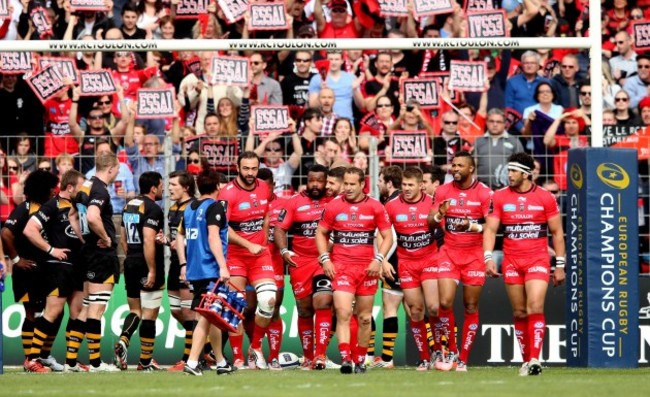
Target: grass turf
x=492, y=381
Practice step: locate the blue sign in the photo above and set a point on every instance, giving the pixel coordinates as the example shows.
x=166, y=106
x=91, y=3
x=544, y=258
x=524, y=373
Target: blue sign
x=602, y=230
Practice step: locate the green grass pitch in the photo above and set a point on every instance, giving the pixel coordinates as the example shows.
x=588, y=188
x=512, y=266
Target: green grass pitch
x=486, y=382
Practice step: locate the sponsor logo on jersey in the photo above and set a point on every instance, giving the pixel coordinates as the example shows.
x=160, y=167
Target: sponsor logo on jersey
x=303, y=208
x=152, y=222
x=131, y=218
x=453, y=202
x=401, y=218
x=509, y=208
x=537, y=269
x=97, y=201
x=342, y=217
x=535, y=208
x=366, y=217
x=244, y=206
x=473, y=203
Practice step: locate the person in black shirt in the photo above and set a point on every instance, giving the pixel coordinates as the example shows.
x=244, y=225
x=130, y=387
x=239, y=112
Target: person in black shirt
x=27, y=274
x=295, y=86
x=99, y=252
x=182, y=189
x=144, y=269
x=54, y=230
x=129, y=29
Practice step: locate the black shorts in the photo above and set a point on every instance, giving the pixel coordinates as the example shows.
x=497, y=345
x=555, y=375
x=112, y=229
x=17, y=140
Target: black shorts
x=100, y=268
x=62, y=279
x=135, y=275
x=29, y=288
x=200, y=287
x=174, y=276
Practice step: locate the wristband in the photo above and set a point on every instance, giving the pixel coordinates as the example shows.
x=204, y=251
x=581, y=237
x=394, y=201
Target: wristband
x=437, y=217
x=15, y=260
x=379, y=257
x=284, y=251
x=560, y=262
x=49, y=252
x=183, y=264
x=324, y=258
x=73, y=101
x=487, y=256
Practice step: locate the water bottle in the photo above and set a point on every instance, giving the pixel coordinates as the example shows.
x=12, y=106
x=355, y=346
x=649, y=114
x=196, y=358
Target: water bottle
x=2, y=279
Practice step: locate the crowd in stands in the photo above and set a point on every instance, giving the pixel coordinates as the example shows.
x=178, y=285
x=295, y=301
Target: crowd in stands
x=538, y=101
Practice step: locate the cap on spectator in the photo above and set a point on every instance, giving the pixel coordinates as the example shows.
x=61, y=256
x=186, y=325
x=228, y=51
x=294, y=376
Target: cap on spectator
x=337, y=4
x=491, y=63
x=644, y=103
x=367, y=12
x=306, y=31
x=581, y=122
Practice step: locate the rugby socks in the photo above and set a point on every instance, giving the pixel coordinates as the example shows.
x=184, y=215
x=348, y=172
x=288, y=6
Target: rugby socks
x=449, y=327
x=333, y=329
x=236, y=344
x=346, y=354
x=274, y=336
x=373, y=335
x=323, y=330
x=189, y=331
x=360, y=354
x=147, y=339
x=430, y=340
x=94, y=336
x=306, y=332
x=419, y=330
x=27, y=334
x=258, y=335
x=536, y=331
x=388, y=338
x=42, y=330
x=354, y=332
x=131, y=323
x=470, y=328
x=75, y=335
x=521, y=332
x=51, y=337
x=437, y=333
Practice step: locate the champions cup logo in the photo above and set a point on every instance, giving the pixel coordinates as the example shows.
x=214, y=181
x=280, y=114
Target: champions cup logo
x=613, y=175
x=576, y=176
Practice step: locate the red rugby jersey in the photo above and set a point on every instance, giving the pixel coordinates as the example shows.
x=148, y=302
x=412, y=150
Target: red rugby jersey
x=524, y=219
x=300, y=217
x=246, y=210
x=414, y=239
x=276, y=205
x=473, y=202
x=353, y=229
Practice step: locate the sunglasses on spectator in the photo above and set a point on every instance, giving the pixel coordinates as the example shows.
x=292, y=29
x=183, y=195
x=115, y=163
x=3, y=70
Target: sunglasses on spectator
x=194, y=161
x=636, y=16
x=273, y=149
x=384, y=105
x=122, y=54
x=303, y=60
x=12, y=168
x=643, y=66
x=554, y=191
x=45, y=168
x=95, y=117
x=339, y=10
x=450, y=122
x=105, y=102
x=585, y=93
x=567, y=66
x=621, y=99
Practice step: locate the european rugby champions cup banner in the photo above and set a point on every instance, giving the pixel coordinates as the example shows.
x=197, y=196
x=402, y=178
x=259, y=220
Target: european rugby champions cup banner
x=602, y=324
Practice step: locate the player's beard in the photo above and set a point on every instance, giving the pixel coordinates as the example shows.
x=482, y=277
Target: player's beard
x=316, y=193
x=248, y=181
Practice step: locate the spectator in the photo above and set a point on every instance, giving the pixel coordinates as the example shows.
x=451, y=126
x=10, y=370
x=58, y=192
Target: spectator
x=268, y=91
x=382, y=84
x=194, y=162
x=624, y=114
x=58, y=138
x=610, y=88
x=433, y=176
x=619, y=16
x=448, y=142
x=208, y=28
x=339, y=25
x=7, y=179
x=19, y=105
x=644, y=111
x=637, y=86
x=573, y=126
x=585, y=99
x=491, y=151
x=149, y=14
x=411, y=119
x=91, y=22
x=382, y=118
x=346, y=137
x=24, y=154
x=360, y=161
x=343, y=84
x=623, y=65
x=327, y=100
x=496, y=97
x=535, y=126
x=520, y=89
x=64, y=163
x=565, y=84
x=272, y=152
x=312, y=121
x=330, y=153
x=295, y=85
x=130, y=30
x=609, y=117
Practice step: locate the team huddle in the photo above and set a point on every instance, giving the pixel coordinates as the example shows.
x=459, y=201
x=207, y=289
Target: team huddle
x=343, y=244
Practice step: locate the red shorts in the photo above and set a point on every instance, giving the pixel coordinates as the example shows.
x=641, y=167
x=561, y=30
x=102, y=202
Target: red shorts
x=353, y=279
x=518, y=270
x=302, y=276
x=414, y=271
x=278, y=268
x=253, y=268
x=462, y=264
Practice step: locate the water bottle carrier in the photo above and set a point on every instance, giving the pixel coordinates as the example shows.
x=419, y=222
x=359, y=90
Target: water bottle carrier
x=223, y=306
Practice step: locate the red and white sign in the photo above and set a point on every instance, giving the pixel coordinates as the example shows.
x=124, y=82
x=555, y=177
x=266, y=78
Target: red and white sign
x=221, y=153
x=393, y=8
x=512, y=117
x=641, y=34
x=155, y=103
x=88, y=5
x=191, y=9
x=67, y=66
x=47, y=83
x=409, y=146
x=444, y=79
x=479, y=5
x=468, y=76
x=230, y=71
x=41, y=22
x=15, y=62
x=96, y=83
x=267, y=16
x=425, y=91
x=268, y=119
x=234, y=10
x=4, y=9
x=487, y=24
x=423, y=8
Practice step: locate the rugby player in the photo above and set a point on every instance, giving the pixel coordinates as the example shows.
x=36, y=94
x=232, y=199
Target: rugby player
x=527, y=213
x=144, y=270
x=311, y=288
x=354, y=266
x=28, y=267
x=460, y=207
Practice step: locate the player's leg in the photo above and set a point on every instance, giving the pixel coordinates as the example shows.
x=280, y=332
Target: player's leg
x=517, y=296
x=447, y=293
x=45, y=326
x=535, y=295
x=323, y=301
x=201, y=329
x=432, y=306
x=150, y=301
x=471, y=296
x=343, y=306
x=75, y=330
x=275, y=330
x=363, y=309
x=134, y=271
x=414, y=300
x=391, y=299
x=237, y=338
x=265, y=289
x=222, y=366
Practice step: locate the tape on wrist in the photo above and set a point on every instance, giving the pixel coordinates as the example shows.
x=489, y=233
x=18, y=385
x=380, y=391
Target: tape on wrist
x=324, y=258
x=379, y=257
x=487, y=256
x=49, y=252
x=284, y=251
x=437, y=217
x=560, y=262
x=15, y=259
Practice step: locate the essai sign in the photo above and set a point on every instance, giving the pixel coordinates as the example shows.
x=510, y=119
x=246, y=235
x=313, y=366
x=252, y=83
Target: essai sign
x=47, y=83
x=15, y=62
x=267, y=16
x=191, y=9
x=468, y=76
x=96, y=83
x=234, y=10
x=155, y=103
x=270, y=119
x=423, y=8
x=230, y=71
x=409, y=146
x=66, y=65
x=487, y=24
x=424, y=91
x=641, y=33
x=393, y=8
